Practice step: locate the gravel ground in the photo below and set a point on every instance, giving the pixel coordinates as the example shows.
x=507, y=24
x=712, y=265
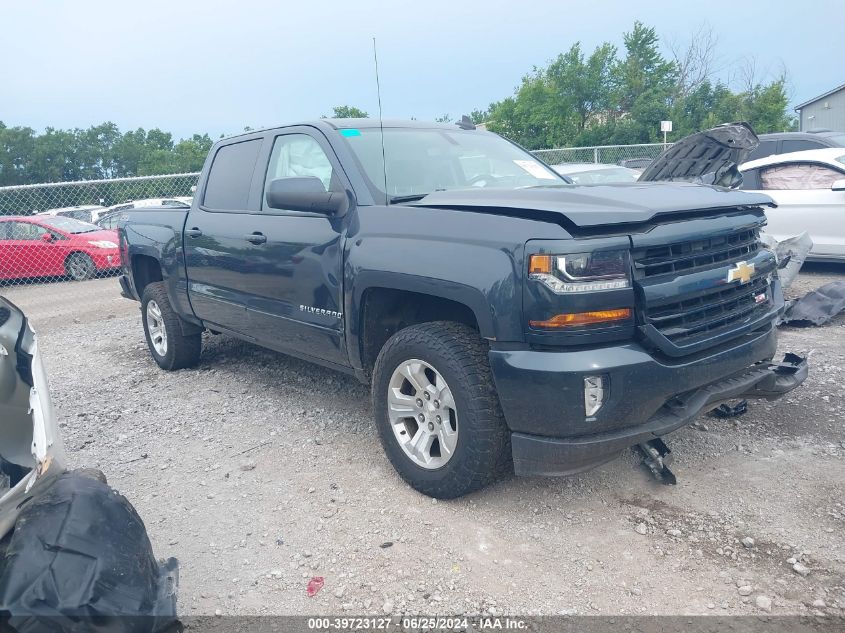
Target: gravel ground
x=259, y=471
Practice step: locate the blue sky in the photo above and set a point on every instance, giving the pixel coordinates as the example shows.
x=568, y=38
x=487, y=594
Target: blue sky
x=204, y=66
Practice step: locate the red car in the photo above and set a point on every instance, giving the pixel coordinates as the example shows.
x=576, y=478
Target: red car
x=55, y=246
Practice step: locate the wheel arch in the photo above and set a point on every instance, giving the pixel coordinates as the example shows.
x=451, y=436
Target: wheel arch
x=146, y=269
x=390, y=303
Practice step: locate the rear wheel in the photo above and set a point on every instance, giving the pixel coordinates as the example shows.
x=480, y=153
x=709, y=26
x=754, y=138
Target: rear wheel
x=80, y=266
x=170, y=348
x=437, y=411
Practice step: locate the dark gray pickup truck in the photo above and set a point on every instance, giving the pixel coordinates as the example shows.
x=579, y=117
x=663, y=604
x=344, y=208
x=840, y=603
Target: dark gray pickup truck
x=502, y=315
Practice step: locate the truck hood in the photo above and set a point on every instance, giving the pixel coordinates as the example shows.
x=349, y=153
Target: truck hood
x=591, y=206
x=711, y=157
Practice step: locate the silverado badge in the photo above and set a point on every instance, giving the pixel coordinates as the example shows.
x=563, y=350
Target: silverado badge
x=741, y=271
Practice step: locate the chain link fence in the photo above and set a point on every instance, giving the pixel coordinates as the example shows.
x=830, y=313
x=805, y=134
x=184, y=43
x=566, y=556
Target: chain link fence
x=66, y=231
x=633, y=156
x=46, y=232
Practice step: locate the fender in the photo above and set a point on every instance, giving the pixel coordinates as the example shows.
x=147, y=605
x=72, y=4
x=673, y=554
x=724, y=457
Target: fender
x=484, y=277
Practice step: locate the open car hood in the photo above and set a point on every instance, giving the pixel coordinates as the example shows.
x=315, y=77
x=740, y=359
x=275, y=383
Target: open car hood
x=593, y=206
x=711, y=157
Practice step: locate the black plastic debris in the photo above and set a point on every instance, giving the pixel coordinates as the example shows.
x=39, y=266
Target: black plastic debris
x=79, y=559
x=726, y=410
x=816, y=307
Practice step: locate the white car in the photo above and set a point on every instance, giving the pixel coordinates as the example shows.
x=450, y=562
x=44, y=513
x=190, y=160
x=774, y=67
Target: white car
x=809, y=188
x=85, y=212
x=596, y=173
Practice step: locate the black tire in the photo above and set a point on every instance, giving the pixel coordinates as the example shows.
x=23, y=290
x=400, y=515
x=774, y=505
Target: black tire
x=181, y=350
x=80, y=266
x=459, y=355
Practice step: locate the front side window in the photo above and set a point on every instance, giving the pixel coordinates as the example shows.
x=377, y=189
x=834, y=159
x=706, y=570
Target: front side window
x=25, y=231
x=765, y=148
x=298, y=155
x=230, y=178
x=798, y=176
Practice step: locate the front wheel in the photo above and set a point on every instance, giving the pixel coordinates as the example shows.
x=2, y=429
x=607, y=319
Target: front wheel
x=171, y=349
x=437, y=411
x=80, y=267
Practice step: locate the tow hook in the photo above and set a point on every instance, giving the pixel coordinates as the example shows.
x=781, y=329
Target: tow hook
x=657, y=457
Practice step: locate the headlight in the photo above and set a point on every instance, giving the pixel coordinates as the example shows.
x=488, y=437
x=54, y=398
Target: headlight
x=581, y=272
x=103, y=244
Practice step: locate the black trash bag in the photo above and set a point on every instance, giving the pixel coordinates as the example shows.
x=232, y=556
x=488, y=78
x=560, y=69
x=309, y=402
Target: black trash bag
x=816, y=307
x=79, y=559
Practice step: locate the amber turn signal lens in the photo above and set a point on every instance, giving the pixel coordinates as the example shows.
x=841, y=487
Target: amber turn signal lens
x=583, y=318
x=540, y=264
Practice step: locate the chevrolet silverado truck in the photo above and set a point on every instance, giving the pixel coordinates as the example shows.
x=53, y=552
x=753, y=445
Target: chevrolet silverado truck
x=505, y=318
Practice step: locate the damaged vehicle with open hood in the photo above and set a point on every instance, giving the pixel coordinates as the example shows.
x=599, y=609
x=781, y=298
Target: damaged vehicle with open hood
x=74, y=554
x=505, y=318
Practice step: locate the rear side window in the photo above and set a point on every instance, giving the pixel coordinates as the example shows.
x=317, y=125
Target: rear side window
x=800, y=146
x=230, y=178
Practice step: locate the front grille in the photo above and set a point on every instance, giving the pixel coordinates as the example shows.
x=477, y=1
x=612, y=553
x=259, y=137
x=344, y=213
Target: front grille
x=694, y=255
x=687, y=321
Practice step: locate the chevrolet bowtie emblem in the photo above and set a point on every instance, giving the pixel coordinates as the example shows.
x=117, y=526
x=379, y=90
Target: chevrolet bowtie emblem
x=741, y=271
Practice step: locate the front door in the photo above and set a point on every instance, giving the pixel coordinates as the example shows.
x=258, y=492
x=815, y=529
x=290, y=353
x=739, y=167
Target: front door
x=295, y=286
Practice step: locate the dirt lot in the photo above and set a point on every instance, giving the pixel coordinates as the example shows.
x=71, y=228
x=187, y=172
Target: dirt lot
x=258, y=472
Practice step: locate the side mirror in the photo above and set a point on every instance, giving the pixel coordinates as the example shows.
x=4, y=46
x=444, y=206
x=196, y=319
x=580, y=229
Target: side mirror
x=307, y=194
x=46, y=237
x=838, y=185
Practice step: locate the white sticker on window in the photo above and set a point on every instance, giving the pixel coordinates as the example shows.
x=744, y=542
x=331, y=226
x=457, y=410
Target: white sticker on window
x=535, y=169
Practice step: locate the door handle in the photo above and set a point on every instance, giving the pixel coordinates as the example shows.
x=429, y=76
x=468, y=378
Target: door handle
x=194, y=232
x=256, y=238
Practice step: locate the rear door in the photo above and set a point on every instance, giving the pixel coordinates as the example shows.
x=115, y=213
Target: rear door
x=216, y=252
x=806, y=202
x=295, y=298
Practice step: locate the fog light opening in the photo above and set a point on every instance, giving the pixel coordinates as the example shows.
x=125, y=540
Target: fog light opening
x=594, y=392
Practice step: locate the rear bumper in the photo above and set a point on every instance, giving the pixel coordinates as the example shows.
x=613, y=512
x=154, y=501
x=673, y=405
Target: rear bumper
x=537, y=455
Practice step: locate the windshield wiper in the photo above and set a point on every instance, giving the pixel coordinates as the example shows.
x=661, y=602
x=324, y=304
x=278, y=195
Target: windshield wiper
x=409, y=198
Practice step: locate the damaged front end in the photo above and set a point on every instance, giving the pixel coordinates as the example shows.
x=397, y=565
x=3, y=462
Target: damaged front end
x=74, y=554
x=31, y=452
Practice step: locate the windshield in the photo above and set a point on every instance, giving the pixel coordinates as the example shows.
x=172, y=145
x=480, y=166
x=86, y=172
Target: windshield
x=69, y=225
x=419, y=161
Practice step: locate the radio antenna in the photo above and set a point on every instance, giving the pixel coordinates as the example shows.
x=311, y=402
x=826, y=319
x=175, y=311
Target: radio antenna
x=380, y=124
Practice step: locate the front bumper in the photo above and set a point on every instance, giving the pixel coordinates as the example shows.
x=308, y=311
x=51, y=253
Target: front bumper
x=536, y=455
x=106, y=259
x=542, y=396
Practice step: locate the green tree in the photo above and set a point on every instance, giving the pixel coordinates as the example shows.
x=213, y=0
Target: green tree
x=348, y=112
x=605, y=99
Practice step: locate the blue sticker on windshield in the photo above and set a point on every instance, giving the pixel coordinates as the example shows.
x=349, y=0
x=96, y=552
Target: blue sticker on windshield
x=350, y=132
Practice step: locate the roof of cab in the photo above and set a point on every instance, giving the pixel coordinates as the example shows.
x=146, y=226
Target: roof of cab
x=342, y=124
